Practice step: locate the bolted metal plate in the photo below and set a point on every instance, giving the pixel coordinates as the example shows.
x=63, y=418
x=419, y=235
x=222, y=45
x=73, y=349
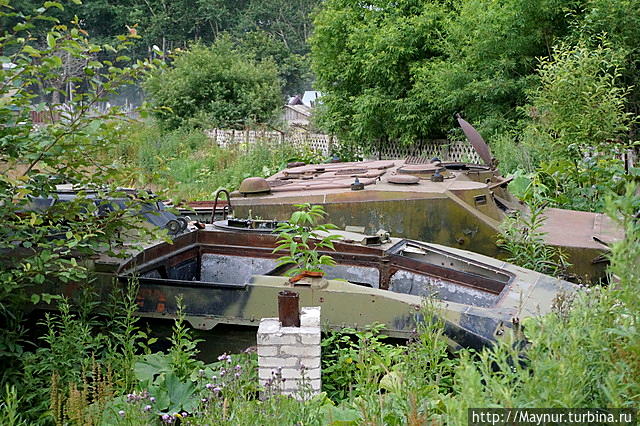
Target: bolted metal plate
x=404, y=179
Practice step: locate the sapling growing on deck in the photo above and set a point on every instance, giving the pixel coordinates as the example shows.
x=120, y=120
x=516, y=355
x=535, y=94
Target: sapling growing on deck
x=302, y=237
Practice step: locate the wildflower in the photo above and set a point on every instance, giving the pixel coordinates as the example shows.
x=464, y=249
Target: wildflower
x=121, y=413
x=184, y=414
x=167, y=418
x=152, y=399
x=223, y=372
x=229, y=359
x=208, y=386
x=238, y=374
x=222, y=357
x=238, y=367
x=147, y=408
x=217, y=389
x=201, y=373
x=205, y=400
x=214, y=378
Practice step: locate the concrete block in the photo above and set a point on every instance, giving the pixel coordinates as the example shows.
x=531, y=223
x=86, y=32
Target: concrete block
x=278, y=339
x=291, y=373
x=301, y=350
x=299, y=331
x=313, y=339
x=268, y=326
x=295, y=384
x=276, y=361
x=311, y=362
x=310, y=316
x=286, y=349
x=264, y=374
x=264, y=350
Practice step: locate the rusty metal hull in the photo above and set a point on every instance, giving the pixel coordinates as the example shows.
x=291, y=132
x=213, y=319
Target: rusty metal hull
x=465, y=210
x=233, y=278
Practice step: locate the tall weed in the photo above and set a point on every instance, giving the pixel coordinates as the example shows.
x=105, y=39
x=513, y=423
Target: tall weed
x=191, y=164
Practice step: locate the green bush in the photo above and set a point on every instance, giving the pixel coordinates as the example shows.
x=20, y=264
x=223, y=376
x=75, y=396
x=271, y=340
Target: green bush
x=214, y=86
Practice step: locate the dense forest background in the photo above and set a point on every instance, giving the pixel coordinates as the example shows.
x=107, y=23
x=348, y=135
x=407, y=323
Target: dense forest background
x=263, y=29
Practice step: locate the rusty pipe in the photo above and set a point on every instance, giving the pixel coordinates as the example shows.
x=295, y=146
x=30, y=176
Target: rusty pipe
x=226, y=212
x=289, y=308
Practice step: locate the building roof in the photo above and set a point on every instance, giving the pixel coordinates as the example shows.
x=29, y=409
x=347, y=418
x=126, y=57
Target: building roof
x=301, y=109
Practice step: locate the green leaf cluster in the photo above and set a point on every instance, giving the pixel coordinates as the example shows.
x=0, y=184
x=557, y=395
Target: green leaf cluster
x=215, y=86
x=397, y=72
x=302, y=237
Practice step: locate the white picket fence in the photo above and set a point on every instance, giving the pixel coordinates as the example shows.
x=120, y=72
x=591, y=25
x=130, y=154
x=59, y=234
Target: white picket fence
x=246, y=138
x=461, y=151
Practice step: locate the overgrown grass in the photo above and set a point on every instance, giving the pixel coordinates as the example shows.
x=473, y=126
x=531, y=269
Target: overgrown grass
x=190, y=165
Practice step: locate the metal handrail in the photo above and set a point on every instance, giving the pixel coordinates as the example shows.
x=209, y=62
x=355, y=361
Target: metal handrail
x=226, y=211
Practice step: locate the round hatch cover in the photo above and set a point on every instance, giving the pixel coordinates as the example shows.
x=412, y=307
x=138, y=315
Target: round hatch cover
x=254, y=185
x=419, y=169
x=404, y=179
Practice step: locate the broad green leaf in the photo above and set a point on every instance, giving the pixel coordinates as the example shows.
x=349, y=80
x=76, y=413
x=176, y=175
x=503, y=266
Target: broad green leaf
x=181, y=394
x=151, y=366
x=48, y=4
x=51, y=41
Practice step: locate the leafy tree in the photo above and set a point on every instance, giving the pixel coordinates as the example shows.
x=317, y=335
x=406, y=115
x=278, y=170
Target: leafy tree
x=293, y=68
x=216, y=86
x=579, y=114
x=399, y=71
x=168, y=25
x=43, y=247
x=365, y=57
x=490, y=58
x=616, y=21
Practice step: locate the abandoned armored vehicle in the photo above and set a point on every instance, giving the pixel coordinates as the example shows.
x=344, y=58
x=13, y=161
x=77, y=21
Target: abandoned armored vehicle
x=153, y=211
x=228, y=273
x=454, y=204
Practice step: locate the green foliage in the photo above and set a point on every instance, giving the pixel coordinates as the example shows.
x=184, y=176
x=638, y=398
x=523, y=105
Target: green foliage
x=277, y=29
x=192, y=164
x=577, y=129
x=353, y=363
x=365, y=60
x=578, y=113
x=293, y=68
x=215, y=86
x=183, y=346
x=10, y=407
x=489, y=61
x=522, y=238
x=521, y=235
x=301, y=237
x=44, y=248
x=579, y=105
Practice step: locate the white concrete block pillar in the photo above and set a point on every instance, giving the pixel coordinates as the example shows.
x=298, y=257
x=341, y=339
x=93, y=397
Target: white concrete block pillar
x=289, y=357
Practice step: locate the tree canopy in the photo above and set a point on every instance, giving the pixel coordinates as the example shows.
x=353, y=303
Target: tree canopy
x=282, y=26
x=399, y=71
x=215, y=86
